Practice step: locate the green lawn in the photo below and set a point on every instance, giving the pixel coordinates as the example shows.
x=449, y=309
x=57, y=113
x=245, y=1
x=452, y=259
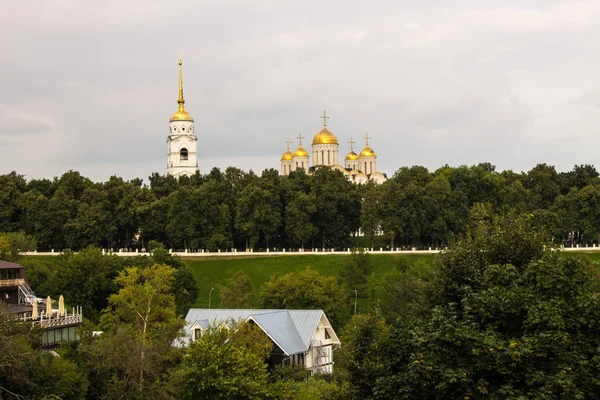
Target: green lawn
x=210, y=272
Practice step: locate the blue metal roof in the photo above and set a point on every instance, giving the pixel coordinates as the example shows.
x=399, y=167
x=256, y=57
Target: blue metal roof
x=291, y=330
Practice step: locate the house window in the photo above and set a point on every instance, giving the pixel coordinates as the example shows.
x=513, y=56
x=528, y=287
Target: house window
x=197, y=333
x=183, y=154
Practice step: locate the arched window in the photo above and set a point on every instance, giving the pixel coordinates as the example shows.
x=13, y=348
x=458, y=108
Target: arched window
x=183, y=154
x=322, y=157
x=371, y=166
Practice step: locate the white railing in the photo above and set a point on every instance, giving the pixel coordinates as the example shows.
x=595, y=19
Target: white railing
x=288, y=252
x=60, y=321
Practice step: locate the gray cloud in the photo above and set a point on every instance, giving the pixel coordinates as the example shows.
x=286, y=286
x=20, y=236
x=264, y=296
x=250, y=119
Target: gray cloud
x=93, y=83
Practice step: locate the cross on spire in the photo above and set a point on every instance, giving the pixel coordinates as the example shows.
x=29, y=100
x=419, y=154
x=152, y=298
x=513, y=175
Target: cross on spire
x=367, y=137
x=288, y=141
x=300, y=137
x=352, y=142
x=324, y=118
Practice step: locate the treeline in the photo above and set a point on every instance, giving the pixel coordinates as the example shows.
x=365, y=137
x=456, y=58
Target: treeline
x=233, y=208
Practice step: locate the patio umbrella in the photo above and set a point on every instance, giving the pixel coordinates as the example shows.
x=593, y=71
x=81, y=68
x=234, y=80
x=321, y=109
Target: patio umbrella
x=61, y=306
x=48, y=307
x=34, y=312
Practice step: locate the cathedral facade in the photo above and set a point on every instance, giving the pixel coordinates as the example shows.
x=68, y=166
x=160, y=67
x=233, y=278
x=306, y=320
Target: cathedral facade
x=182, y=142
x=358, y=168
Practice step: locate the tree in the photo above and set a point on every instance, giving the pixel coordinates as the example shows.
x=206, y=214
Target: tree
x=355, y=272
x=370, y=218
x=5, y=250
x=304, y=290
x=216, y=368
x=140, y=327
x=258, y=213
x=299, y=214
x=363, y=357
x=510, y=318
x=338, y=208
x=238, y=292
x=19, y=242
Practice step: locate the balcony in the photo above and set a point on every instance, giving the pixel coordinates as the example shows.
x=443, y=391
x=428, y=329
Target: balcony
x=12, y=282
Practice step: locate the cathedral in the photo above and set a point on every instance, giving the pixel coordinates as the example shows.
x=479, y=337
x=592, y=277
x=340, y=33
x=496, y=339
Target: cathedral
x=181, y=142
x=358, y=168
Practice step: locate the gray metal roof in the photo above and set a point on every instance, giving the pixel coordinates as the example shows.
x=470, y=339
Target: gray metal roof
x=291, y=330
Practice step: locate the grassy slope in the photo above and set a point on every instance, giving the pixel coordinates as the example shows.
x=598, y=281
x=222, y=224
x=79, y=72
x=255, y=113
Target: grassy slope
x=211, y=272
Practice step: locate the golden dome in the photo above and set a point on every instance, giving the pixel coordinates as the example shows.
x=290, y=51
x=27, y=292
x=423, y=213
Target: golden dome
x=367, y=152
x=287, y=156
x=324, y=137
x=300, y=152
x=181, y=115
x=352, y=156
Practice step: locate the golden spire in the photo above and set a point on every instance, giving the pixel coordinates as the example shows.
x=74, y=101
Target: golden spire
x=181, y=114
x=324, y=117
x=367, y=137
x=352, y=142
x=180, y=101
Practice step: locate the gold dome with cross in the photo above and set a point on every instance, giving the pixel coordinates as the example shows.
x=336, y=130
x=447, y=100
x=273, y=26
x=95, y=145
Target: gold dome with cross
x=325, y=136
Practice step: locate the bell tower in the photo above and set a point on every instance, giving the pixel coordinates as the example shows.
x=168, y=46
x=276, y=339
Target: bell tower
x=182, y=141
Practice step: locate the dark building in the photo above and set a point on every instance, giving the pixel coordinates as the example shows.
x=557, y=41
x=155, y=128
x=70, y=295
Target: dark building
x=18, y=300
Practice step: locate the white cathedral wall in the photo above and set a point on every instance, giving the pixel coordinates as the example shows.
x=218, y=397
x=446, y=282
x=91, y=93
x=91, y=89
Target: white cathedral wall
x=300, y=162
x=368, y=165
x=325, y=154
x=286, y=167
x=352, y=164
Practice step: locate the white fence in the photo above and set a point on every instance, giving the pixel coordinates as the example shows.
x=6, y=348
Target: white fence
x=281, y=252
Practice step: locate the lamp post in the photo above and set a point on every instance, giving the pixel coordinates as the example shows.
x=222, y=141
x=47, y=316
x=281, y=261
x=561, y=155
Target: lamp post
x=355, y=300
x=209, y=294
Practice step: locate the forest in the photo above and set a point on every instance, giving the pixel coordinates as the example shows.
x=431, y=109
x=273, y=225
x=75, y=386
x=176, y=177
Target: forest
x=237, y=209
x=501, y=314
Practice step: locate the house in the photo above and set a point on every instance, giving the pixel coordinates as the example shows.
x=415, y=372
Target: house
x=18, y=300
x=300, y=337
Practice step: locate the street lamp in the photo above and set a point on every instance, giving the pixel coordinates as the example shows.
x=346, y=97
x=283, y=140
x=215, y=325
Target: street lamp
x=209, y=294
x=355, y=300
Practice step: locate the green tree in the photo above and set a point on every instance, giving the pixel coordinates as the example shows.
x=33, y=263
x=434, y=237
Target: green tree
x=19, y=242
x=510, y=318
x=354, y=274
x=5, y=250
x=299, y=215
x=363, y=357
x=216, y=368
x=338, y=208
x=238, y=292
x=370, y=217
x=140, y=326
x=304, y=290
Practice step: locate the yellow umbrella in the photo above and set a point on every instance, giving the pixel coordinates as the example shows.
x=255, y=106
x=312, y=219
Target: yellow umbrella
x=61, y=306
x=34, y=312
x=48, y=307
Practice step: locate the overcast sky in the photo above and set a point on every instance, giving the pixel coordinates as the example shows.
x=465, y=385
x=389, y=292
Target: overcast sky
x=91, y=85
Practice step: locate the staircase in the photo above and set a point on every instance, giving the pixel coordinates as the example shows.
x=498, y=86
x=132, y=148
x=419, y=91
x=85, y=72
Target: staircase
x=26, y=295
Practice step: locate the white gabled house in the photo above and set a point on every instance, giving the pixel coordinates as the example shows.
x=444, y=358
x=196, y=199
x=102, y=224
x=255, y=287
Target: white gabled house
x=300, y=337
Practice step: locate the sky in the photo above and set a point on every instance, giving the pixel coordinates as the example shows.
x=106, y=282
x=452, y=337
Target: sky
x=90, y=85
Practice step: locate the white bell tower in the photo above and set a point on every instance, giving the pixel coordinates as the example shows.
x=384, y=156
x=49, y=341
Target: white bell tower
x=182, y=141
